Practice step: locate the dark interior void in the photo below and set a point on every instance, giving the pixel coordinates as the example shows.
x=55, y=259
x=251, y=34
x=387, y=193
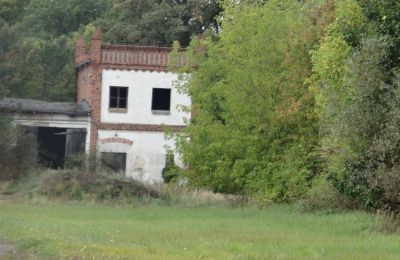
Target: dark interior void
x=51, y=151
x=114, y=162
x=161, y=99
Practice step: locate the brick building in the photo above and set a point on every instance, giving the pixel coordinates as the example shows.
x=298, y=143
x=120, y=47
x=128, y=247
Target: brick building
x=131, y=101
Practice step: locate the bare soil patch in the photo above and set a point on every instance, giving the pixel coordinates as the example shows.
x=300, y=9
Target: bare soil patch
x=6, y=249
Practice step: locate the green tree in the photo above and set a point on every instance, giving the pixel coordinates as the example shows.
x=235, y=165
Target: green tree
x=356, y=84
x=254, y=129
x=384, y=16
x=36, y=59
x=158, y=22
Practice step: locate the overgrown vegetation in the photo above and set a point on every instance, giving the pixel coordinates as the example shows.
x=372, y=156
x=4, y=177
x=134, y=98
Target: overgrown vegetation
x=292, y=92
x=77, y=185
x=254, y=129
x=293, y=101
x=357, y=83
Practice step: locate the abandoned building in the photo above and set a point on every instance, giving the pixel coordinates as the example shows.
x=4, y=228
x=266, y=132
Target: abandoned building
x=126, y=99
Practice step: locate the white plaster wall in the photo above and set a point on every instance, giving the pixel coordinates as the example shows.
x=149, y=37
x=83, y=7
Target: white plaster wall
x=140, y=86
x=145, y=158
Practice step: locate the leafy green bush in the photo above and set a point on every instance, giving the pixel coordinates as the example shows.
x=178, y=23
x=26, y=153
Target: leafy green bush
x=15, y=153
x=170, y=171
x=364, y=160
x=323, y=196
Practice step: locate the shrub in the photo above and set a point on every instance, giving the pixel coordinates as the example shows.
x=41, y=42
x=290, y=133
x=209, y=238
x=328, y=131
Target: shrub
x=364, y=162
x=73, y=184
x=170, y=171
x=77, y=161
x=323, y=196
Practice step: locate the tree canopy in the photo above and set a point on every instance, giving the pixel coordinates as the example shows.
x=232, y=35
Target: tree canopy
x=38, y=36
x=292, y=91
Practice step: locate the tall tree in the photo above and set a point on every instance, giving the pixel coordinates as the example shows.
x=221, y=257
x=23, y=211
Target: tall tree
x=254, y=128
x=356, y=78
x=158, y=22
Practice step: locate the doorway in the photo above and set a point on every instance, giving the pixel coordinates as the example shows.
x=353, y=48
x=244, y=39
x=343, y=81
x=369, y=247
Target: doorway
x=51, y=150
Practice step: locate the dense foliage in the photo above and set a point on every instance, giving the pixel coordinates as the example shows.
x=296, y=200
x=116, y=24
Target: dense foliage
x=288, y=96
x=38, y=36
x=356, y=69
x=254, y=128
x=289, y=91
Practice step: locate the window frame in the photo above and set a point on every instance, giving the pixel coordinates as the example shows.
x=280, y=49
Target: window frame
x=161, y=111
x=105, y=163
x=118, y=99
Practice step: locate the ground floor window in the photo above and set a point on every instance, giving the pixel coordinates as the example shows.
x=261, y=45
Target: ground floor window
x=114, y=162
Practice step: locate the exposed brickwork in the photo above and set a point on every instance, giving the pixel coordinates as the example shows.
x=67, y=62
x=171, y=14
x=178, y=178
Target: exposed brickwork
x=134, y=67
x=139, y=127
x=83, y=91
x=139, y=56
x=123, y=57
x=95, y=87
x=116, y=140
x=80, y=51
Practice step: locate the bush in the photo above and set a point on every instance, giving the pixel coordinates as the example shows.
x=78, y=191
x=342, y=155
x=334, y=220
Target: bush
x=77, y=185
x=170, y=171
x=364, y=162
x=323, y=196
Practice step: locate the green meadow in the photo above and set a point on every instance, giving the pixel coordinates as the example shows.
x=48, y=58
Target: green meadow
x=66, y=230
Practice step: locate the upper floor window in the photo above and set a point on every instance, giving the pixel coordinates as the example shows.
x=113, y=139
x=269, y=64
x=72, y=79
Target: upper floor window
x=118, y=97
x=161, y=102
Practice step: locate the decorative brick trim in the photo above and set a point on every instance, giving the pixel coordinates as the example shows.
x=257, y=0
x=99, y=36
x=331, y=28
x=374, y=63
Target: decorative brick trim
x=139, y=127
x=148, y=57
x=136, y=48
x=116, y=140
x=108, y=66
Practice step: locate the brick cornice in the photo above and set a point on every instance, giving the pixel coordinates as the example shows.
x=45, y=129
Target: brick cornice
x=137, y=48
x=110, y=66
x=139, y=127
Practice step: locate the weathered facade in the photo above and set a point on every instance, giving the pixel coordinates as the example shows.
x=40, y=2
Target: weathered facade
x=133, y=101
x=129, y=100
x=51, y=131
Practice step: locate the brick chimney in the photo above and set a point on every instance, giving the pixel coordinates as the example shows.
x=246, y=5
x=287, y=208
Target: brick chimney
x=95, y=47
x=80, y=51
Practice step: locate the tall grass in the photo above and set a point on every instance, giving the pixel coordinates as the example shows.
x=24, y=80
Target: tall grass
x=71, y=230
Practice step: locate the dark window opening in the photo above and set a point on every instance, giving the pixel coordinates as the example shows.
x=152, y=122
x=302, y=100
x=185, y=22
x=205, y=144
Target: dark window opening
x=51, y=152
x=114, y=162
x=161, y=99
x=118, y=97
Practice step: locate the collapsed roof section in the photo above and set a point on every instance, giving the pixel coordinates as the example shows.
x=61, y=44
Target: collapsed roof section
x=73, y=109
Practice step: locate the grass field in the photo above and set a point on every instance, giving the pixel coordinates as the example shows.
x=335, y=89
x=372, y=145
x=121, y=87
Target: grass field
x=78, y=231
